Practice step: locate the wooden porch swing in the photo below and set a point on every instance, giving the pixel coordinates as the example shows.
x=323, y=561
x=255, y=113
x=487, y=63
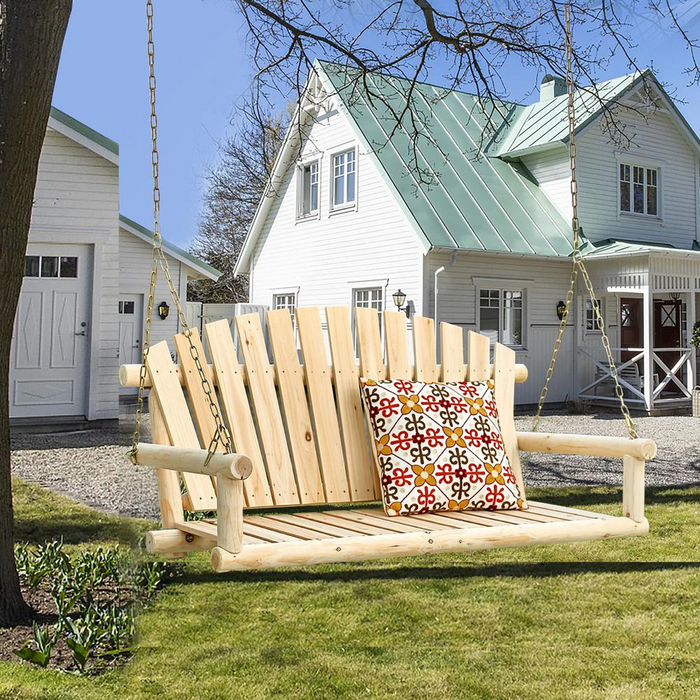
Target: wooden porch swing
x=290, y=437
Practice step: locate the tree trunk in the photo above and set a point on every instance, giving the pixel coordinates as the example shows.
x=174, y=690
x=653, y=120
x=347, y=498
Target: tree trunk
x=31, y=36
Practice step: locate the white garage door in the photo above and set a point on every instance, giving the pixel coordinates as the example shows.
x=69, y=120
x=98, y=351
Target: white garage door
x=51, y=341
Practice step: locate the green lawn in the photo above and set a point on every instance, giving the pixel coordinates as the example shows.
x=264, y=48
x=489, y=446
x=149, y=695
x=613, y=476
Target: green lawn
x=617, y=619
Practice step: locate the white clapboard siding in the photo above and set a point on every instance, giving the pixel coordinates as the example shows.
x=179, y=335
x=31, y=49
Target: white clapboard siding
x=324, y=258
x=135, y=270
x=77, y=201
x=656, y=142
x=545, y=282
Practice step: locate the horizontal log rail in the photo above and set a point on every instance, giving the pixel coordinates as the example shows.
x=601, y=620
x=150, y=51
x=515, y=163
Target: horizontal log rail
x=589, y=445
x=185, y=459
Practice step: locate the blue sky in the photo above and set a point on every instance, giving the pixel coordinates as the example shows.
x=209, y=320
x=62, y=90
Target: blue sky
x=203, y=72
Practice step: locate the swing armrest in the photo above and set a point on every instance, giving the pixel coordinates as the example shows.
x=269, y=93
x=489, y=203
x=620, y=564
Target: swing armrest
x=590, y=445
x=184, y=459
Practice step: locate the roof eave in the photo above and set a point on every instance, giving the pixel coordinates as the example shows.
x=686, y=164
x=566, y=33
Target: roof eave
x=203, y=270
x=84, y=135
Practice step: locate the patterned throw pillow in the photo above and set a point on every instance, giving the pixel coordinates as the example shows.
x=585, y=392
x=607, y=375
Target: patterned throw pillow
x=438, y=446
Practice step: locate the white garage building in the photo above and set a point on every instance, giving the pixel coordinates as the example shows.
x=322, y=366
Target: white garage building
x=82, y=305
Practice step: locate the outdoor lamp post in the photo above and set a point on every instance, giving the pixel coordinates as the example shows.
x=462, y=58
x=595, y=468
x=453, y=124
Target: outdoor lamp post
x=399, y=300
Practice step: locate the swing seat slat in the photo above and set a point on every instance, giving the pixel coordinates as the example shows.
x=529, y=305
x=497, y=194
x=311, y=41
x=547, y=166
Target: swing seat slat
x=303, y=449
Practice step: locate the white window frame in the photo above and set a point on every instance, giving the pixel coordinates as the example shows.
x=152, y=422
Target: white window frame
x=315, y=213
x=279, y=295
x=586, y=311
x=646, y=164
x=345, y=206
x=502, y=286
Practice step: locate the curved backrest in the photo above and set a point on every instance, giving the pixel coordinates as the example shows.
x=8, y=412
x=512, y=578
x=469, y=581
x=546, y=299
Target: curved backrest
x=301, y=421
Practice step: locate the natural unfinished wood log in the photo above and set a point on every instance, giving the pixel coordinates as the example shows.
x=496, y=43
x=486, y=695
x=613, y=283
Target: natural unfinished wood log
x=187, y=460
x=176, y=542
x=229, y=521
x=590, y=445
x=633, y=488
x=413, y=544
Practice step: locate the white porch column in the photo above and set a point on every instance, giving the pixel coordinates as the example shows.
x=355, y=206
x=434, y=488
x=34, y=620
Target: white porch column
x=691, y=379
x=648, y=338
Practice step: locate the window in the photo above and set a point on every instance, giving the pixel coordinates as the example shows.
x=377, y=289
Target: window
x=126, y=307
x=285, y=301
x=372, y=298
x=309, y=189
x=591, y=323
x=50, y=266
x=639, y=190
x=344, y=182
x=501, y=315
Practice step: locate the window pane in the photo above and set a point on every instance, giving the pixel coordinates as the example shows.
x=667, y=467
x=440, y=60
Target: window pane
x=306, y=191
x=126, y=307
x=513, y=318
x=624, y=196
x=639, y=199
x=489, y=324
x=313, y=205
x=351, y=187
x=651, y=201
x=339, y=191
x=49, y=266
x=69, y=267
x=31, y=266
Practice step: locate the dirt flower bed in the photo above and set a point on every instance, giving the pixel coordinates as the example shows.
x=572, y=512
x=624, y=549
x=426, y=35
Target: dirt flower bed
x=84, y=606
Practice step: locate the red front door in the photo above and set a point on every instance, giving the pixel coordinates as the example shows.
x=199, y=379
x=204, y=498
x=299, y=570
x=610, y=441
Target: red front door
x=631, y=321
x=667, y=334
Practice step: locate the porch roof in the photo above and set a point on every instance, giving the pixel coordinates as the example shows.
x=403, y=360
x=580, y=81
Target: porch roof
x=616, y=247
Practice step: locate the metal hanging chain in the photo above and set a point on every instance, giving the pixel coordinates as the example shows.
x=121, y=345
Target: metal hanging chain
x=577, y=262
x=221, y=434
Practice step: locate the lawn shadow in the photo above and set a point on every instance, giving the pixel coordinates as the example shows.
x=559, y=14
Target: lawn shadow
x=654, y=495
x=358, y=573
x=75, y=528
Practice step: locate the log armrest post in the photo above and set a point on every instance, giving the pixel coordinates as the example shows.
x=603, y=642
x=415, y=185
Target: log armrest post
x=229, y=521
x=633, y=489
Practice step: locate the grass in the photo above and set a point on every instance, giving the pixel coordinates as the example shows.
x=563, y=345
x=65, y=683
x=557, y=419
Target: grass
x=616, y=619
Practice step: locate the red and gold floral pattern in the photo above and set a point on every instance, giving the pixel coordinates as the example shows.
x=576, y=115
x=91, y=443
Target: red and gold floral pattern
x=438, y=446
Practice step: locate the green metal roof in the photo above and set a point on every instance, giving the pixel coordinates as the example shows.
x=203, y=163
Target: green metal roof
x=613, y=247
x=542, y=124
x=174, y=250
x=86, y=131
x=472, y=201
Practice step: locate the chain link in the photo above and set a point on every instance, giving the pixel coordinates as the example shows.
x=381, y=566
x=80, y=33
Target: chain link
x=578, y=264
x=158, y=259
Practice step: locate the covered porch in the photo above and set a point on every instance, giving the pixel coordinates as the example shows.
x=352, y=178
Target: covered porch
x=649, y=298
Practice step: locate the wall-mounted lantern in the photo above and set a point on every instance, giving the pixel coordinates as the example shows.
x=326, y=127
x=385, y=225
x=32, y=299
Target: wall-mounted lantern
x=561, y=308
x=399, y=300
x=675, y=296
x=163, y=310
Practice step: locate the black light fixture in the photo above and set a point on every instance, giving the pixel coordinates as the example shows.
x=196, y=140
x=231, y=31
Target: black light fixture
x=561, y=308
x=675, y=296
x=399, y=301
x=163, y=310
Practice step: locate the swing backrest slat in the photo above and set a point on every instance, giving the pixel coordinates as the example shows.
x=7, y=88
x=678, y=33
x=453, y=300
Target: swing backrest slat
x=292, y=395
x=301, y=422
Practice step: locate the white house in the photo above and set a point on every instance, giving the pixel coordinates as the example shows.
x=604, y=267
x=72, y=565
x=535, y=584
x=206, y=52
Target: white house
x=471, y=221
x=87, y=269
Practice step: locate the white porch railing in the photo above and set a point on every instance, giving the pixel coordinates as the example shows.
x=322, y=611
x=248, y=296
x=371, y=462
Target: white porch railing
x=634, y=383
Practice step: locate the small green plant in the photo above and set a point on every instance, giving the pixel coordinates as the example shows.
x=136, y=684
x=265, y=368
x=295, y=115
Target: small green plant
x=695, y=336
x=44, y=642
x=96, y=593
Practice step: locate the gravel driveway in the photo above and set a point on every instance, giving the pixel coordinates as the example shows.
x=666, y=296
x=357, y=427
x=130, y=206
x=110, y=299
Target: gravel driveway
x=92, y=467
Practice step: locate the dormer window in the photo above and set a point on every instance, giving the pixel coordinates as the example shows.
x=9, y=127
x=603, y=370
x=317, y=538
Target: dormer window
x=639, y=190
x=308, y=189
